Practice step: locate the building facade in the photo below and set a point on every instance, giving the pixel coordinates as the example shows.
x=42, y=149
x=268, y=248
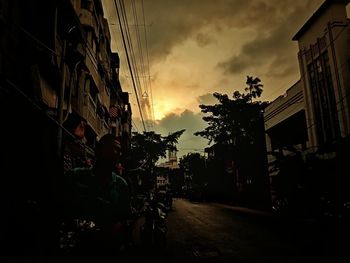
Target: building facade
x=308, y=126
x=56, y=61
x=285, y=124
x=313, y=115
x=103, y=104
x=324, y=56
x=286, y=136
x=172, y=162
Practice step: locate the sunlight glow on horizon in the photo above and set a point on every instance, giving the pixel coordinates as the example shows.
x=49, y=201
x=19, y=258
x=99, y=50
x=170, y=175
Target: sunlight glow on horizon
x=164, y=107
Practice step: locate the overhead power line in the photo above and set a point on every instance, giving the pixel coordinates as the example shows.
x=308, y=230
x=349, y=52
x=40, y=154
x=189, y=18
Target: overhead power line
x=129, y=64
x=145, y=101
x=148, y=67
x=137, y=57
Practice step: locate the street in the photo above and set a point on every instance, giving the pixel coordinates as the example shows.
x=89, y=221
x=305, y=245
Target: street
x=219, y=233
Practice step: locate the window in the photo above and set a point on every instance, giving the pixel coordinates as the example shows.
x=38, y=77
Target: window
x=322, y=92
x=318, y=66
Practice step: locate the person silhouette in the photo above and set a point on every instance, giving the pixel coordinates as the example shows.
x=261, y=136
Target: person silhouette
x=100, y=195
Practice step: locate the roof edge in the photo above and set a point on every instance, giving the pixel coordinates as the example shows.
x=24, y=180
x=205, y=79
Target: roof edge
x=315, y=15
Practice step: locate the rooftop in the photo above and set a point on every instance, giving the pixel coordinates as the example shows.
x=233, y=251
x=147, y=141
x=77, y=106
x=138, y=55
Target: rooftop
x=315, y=15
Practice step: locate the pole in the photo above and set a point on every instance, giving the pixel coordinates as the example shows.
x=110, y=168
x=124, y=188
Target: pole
x=61, y=100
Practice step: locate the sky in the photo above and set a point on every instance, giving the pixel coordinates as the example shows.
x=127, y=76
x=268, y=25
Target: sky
x=198, y=47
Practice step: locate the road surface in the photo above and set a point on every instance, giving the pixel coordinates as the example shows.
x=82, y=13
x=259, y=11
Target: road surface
x=211, y=232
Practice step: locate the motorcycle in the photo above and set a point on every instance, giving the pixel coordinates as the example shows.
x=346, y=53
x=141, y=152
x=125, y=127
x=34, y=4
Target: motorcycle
x=280, y=205
x=84, y=240
x=75, y=236
x=154, y=230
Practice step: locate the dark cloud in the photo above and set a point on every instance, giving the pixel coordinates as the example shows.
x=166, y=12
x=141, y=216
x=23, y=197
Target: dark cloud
x=175, y=21
x=272, y=46
x=172, y=122
x=203, y=40
x=207, y=99
x=188, y=120
x=258, y=51
x=285, y=62
x=282, y=66
x=170, y=22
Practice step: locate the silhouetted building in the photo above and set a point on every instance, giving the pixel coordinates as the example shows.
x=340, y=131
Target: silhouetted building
x=312, y=119
x=325, y=74
x=56, y=68
x=286, y=131
x=171, y=162
x=66, y=65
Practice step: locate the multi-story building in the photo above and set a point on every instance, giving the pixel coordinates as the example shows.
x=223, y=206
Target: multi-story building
x=285, y=126
x=286, y=131
x=57, y=54
x=100, y=86
x=324, y=57
x=285, y=122
x=171, y=163
x=314, y=113
x=313, y=116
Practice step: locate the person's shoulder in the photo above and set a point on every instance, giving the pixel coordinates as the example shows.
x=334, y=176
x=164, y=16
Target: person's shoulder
x=118, y=179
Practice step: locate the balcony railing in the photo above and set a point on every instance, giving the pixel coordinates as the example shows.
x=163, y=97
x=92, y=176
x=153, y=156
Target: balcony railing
x=87, y=19
x=105, y=127
x=91, y=115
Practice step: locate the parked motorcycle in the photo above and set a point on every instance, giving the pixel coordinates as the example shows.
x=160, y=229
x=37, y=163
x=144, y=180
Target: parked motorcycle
x=84, y=240
x=154, y=230
x=280, y=205
x=76, y=236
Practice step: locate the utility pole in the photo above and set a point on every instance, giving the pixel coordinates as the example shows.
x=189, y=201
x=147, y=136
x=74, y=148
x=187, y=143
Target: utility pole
x=61, y=99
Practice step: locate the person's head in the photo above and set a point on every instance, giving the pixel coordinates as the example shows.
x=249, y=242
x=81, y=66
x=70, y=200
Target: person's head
x=108, y=150
x=88, y=163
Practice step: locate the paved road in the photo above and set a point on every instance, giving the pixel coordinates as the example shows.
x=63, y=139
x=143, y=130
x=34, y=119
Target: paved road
x=219, y=233
x=211, y=232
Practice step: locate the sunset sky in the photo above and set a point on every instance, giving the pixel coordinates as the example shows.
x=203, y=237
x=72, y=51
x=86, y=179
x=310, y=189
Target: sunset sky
x=197, y=47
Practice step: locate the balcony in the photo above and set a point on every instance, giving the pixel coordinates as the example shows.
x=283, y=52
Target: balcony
x=87, y=19
x=103, y=127
x=91, y=65
x=91, y=115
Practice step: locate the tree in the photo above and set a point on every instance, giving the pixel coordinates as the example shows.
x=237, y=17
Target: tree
x=193, y=164
x=236, y=127
x=254, y=87
x=234, y=120
x=196, y=179
x=148, y=147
